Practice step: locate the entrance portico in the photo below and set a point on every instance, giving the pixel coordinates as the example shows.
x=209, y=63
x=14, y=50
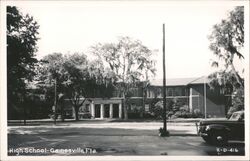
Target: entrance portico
x=106, y=108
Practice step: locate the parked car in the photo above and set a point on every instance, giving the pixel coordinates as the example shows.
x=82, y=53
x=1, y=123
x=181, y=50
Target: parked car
x=220, y=131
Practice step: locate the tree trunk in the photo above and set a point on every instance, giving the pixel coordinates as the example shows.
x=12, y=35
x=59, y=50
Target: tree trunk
x=236, y=75
x=24, y=114
x=55, y=102
x=143, y=102
x=62, y=112
x=125, y=107
x=76, y=113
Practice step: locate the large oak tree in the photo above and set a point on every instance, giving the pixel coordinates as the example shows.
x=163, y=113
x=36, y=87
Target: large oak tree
x=227, y=42
x=22, y=36
x=77, y=78
x=129, y=61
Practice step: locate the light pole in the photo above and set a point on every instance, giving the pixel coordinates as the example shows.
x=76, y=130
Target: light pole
x=164, y=132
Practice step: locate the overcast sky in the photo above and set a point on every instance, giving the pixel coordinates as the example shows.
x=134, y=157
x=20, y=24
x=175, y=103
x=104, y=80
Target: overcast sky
x=74, y=27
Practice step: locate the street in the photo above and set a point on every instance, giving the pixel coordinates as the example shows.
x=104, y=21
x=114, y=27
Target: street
x=112, y=139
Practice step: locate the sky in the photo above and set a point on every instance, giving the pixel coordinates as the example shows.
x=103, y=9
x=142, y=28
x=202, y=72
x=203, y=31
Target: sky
x=76, y=26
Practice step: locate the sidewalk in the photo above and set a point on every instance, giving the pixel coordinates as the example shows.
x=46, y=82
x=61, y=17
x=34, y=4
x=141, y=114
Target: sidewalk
x=180, y=129
x=69, y=122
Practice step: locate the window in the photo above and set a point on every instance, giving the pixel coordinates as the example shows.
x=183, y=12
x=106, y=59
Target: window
x=169, y=91
x=183, y=91
x=150, y=93
x=87, y=108
x=146, y=107
x=159, y=92
x=177, y=91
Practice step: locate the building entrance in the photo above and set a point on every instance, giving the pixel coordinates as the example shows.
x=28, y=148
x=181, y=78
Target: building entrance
x=106, y=110
x=115, y=110
x=97, y=111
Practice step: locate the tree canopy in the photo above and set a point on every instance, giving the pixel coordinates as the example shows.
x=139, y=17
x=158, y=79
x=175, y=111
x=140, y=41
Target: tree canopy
x=22, y=36
x=77, y=77
x=227, y=42
x=128, y=61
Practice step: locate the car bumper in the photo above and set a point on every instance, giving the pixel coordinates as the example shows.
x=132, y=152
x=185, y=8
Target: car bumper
x=203, y=134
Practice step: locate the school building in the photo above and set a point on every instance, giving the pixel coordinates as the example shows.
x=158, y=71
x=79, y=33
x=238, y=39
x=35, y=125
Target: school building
x=192, y=92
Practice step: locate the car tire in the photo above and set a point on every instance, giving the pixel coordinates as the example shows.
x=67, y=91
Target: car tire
x=219, y=138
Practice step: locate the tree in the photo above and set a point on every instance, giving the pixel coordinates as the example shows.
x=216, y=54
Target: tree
x=127, y=60
x=149, y=70
x=22, y=36
x=51, y=75
x=77, y=79
x=227, y=41
x=157, y=108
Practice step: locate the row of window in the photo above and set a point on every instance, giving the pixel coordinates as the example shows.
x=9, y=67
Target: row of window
x=156, y=91
x=170, y=91
x=134, y=107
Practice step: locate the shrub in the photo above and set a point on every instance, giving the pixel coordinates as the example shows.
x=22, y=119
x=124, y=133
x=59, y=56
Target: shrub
x=184, y=108
x=197, y=113
x=178, y=114
x=133, y=115
x=148, y=115
x=157, y=109
x=186, y=114
x=237, y=101
x=163, y=133
x=231, y=110
x=170, y=113
x=86, y=115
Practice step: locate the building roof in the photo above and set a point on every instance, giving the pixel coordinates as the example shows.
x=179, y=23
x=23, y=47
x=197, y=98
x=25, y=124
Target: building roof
x=200, y=80
x=179, y=81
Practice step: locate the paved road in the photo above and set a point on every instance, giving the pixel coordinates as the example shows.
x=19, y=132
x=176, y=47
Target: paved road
x=112, y=139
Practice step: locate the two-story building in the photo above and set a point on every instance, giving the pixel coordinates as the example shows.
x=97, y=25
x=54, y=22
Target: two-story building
x=192, y=92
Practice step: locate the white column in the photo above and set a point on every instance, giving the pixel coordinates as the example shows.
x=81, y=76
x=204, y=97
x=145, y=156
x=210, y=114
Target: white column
x=111, y=110
x=120, y=110
x=92, y=108
x=102, y=111
x=205, y=98
x=190, y=99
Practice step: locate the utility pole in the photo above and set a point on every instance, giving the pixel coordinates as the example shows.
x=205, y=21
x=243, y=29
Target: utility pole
x=165, y=132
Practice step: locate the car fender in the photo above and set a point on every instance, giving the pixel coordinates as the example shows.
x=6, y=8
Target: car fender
x=218, y=127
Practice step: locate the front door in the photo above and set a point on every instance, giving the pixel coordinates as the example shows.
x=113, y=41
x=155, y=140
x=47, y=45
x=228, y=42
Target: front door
x=97, y=111
x=115, y=110
x=106, y=110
